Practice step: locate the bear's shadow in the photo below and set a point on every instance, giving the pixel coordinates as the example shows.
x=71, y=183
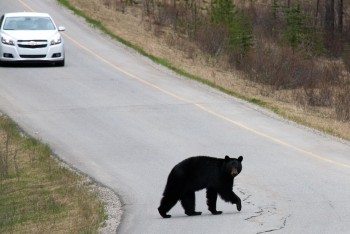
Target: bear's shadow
x=184, y=216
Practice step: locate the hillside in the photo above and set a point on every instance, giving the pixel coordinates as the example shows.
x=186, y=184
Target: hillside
x=298, y=72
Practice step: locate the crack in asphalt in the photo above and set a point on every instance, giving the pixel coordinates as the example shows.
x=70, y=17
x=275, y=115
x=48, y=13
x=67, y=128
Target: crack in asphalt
x=268, y=211
x=246, y=198
x=259, y=213
x=284, y=223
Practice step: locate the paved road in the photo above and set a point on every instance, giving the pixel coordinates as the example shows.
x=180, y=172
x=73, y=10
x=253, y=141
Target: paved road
x=126, y=122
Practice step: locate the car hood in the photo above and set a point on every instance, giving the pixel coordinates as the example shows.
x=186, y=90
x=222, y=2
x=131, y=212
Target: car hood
x=31, y=34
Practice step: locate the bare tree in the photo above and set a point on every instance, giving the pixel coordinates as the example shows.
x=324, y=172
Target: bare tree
x=317, y=10
x=340, y=15
x=329, y=23
x=330, y=16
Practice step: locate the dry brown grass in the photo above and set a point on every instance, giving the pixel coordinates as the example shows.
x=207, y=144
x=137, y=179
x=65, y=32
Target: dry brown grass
x=131, y=24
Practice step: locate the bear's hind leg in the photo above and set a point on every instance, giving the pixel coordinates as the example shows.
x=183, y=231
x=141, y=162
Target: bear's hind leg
x=188, y=202
x=166, y=204
x=212, y=196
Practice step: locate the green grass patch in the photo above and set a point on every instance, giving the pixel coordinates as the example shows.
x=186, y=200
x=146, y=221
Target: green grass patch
x=37, y=194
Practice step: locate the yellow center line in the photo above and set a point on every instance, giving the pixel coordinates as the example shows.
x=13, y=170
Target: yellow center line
x=203, y=108
x=26, y=5
x=276, y=140
x=124, y=71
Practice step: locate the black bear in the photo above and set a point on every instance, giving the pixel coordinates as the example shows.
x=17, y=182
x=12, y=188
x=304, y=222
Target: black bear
x=196, y=173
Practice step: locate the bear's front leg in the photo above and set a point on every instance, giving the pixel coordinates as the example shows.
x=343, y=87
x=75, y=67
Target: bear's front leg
x=238, y=203
x=212, y=196
x=236, y=200
x=230, y=196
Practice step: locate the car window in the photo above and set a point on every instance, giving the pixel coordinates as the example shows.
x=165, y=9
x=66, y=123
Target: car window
x=28, y=23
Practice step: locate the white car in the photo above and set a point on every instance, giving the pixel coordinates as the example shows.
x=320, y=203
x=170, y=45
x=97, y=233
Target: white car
x=29, y=36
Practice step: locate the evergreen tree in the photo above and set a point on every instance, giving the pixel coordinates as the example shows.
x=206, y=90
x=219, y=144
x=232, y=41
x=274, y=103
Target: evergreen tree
x=223, y=12
x=300, y=32
x=296, y=28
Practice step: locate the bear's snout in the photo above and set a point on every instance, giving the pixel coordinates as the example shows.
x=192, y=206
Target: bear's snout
x=234, y=172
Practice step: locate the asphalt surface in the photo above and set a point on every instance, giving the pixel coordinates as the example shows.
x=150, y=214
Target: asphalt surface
x=126, y=122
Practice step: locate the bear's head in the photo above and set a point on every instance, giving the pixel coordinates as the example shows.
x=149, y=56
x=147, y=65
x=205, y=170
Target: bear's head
x=233, y=165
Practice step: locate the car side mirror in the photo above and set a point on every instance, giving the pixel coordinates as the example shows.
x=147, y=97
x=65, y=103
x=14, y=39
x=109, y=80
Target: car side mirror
x=61, y=28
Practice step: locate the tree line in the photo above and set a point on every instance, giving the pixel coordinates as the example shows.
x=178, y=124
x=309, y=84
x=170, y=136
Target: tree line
x=312, y=24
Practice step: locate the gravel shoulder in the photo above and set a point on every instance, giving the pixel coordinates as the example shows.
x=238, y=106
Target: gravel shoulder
x=112, y=203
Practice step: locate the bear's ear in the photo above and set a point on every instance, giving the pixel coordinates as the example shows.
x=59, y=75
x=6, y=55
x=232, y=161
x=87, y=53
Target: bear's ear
x=227, y=157
x=240, y=158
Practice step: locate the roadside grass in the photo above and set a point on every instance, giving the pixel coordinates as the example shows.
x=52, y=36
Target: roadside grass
x=37, y=193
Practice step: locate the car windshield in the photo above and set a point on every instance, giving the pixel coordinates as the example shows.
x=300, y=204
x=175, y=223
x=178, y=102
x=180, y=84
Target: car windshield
x=28, y=23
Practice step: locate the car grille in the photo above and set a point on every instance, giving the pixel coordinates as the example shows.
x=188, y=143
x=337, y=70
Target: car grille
x=33, y=56
x=32, y=44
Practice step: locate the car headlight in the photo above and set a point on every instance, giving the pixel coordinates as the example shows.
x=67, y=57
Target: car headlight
x=7, y=40
x=56, y=41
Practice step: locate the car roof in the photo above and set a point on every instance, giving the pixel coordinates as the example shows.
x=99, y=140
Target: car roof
x=26, y=14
